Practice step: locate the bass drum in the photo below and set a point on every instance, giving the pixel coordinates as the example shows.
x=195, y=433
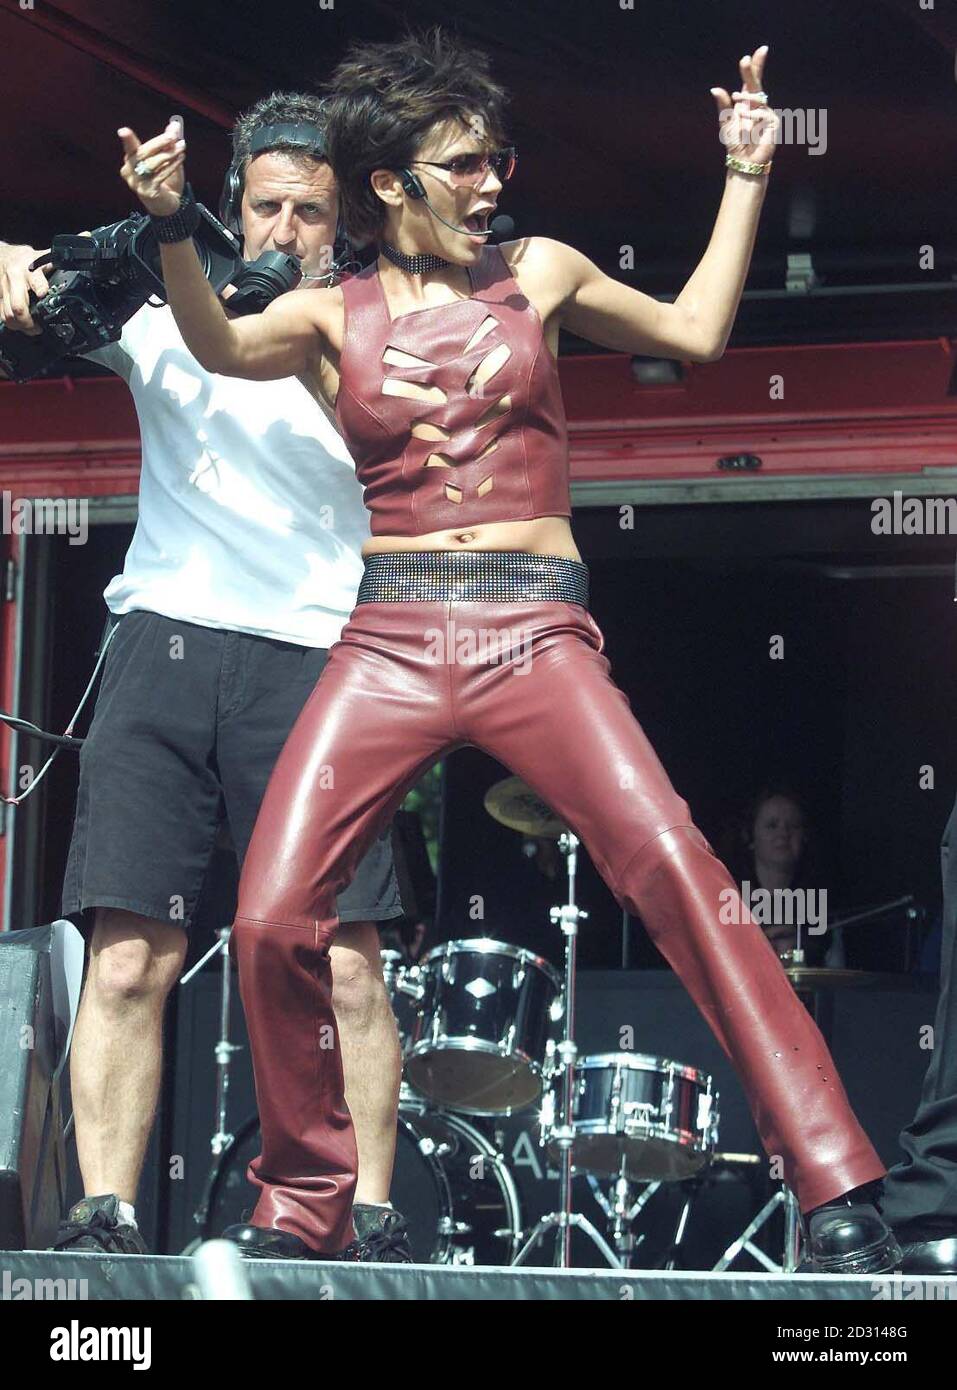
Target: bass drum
x=449, y=1182
x=454, y=1190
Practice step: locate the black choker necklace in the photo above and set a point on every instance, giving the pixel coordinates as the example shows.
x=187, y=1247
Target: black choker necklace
x=415, y=265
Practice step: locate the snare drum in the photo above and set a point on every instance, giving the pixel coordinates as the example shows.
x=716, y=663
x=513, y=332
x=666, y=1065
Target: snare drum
x=659, y=1118
x=480, y=1038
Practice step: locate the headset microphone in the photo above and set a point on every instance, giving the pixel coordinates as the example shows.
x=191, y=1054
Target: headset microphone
x=466, y=231
x=500, y=227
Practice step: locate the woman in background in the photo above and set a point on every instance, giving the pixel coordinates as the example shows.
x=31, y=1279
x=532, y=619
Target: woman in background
x=773, y=849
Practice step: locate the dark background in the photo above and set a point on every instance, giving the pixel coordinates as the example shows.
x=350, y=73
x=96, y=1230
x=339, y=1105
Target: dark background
x=612, y=116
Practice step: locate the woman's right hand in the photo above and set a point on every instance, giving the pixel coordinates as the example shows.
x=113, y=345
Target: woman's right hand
x=162, y=178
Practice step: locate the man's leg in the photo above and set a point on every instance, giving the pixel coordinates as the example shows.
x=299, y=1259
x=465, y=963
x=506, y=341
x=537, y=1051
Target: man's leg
x=116, y=1054
x=371, y=1056
x=148, y=806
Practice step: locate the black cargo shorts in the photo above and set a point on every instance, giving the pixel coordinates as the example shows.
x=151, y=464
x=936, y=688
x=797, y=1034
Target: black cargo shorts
x=188, y=724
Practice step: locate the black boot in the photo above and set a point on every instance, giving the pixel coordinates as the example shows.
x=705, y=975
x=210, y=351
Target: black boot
x=926, y=1250
x=849, y=1236
x=270, y=1243
x=94, y=1224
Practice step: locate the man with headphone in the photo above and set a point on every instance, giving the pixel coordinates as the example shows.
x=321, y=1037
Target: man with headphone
x=242, y=570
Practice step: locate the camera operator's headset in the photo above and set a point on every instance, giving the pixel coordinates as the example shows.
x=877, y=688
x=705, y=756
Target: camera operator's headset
x=302, y=135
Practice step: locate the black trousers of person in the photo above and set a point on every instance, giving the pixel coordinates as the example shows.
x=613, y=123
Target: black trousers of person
x=920, y=1193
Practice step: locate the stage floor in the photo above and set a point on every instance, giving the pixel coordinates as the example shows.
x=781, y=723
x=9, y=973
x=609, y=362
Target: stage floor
x=46, y=1275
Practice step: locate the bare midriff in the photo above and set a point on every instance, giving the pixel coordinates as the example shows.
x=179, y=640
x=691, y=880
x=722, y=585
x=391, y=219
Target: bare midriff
x=543, y=535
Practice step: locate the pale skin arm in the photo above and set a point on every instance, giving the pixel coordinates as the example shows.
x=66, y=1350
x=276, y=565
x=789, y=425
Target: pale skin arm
x=280, y=342
x=697, y=325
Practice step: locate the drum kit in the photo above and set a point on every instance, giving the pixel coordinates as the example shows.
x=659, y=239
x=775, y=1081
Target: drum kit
x=487, y=1031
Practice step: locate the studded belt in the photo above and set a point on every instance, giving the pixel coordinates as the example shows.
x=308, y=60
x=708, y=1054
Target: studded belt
x=494, y=576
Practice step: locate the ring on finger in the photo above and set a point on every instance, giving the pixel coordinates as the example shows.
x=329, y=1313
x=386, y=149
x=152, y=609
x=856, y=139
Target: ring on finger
x=141, y=167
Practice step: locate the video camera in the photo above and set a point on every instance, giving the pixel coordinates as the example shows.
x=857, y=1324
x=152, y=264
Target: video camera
x=101, y=279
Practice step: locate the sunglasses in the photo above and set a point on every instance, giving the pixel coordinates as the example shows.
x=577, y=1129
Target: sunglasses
x=468, y=170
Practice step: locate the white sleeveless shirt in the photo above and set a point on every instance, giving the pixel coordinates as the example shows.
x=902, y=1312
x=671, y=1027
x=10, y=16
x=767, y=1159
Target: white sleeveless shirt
x=250, y=513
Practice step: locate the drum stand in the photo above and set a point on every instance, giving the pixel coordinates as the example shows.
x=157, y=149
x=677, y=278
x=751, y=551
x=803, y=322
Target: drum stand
x=792, y=1236
x=221, y=1139
x=622, y=1209
x=563, y=1133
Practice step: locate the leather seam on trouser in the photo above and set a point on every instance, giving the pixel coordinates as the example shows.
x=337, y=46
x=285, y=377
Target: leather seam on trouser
x=682, y=825
x=447, y=617
x=323, y=937
x=312, y=926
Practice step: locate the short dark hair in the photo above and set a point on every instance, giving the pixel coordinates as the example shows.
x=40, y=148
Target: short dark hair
x=382, y=100
x=279, y=108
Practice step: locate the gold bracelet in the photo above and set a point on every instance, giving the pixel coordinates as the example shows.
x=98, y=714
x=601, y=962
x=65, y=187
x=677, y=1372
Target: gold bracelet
x=744, y=166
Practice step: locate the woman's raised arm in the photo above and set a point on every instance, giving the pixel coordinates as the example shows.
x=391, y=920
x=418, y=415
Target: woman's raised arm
x=280, y=342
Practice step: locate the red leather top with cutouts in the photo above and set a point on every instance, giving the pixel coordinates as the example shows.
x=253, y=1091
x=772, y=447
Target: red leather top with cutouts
x=453, y=414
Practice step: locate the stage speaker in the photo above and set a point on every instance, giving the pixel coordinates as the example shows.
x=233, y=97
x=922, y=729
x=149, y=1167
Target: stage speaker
x=32, y=1041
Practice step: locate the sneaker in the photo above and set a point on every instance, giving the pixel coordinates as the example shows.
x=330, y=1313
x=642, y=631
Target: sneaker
x=381, y=1235
x=94, y=1224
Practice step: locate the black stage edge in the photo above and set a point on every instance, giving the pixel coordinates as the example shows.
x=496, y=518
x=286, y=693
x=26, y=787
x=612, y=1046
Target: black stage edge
x=158, y=1277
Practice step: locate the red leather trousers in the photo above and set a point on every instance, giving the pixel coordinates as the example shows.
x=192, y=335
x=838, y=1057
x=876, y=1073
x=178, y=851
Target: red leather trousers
x=527, y=682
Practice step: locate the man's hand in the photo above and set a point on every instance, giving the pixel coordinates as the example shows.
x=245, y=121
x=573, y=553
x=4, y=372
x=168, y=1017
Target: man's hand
x=160, y=161
x=16, y=282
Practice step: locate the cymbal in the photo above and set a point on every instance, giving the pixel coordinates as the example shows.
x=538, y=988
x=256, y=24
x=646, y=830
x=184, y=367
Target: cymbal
x=513, y=803
x=807, y=977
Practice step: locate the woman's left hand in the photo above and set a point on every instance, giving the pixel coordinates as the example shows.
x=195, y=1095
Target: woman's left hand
x=748, y=126
x=154, y=170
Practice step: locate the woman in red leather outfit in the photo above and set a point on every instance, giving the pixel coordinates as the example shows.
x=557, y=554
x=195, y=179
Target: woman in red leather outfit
x=471, y=625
